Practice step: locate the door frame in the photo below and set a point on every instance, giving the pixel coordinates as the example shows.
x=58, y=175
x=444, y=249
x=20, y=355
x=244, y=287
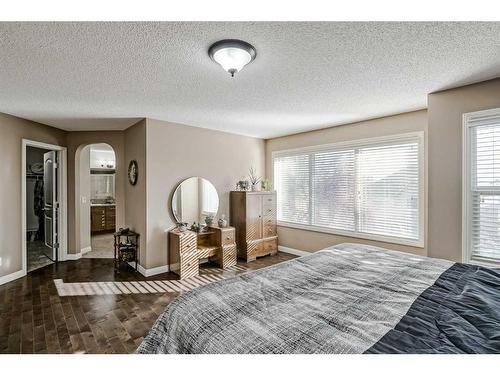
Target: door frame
x=62, y=182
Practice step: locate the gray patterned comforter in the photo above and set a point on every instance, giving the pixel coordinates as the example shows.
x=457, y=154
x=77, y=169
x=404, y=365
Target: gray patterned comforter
x=339, y=300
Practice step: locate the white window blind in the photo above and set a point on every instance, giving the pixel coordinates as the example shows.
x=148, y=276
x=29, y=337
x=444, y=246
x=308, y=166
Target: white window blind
x=389, y=190
x=370, y=189
x=333, y=189
x=483, y=133
x=292, y=182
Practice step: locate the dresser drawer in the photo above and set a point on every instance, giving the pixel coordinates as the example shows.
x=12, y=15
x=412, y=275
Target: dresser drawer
x=227, y=237
x=269, y=230
x=228, y=256
x=268, y=216
x=189, y=265
x=269, y=199
x=268, y=221
x=254, y=249
x=270, y=246
x=188, y=243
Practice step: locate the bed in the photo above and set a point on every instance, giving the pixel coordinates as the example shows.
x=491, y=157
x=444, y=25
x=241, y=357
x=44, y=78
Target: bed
x=349, y=298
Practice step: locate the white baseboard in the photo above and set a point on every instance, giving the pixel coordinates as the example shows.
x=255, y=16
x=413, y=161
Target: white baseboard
x=85, y=250
x=147, y=272
x=289, y=250
x=12, y=276
x=77, y=256
x=73, y=256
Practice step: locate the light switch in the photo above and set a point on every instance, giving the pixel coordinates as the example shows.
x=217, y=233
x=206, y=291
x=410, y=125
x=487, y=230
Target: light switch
x=83, y=199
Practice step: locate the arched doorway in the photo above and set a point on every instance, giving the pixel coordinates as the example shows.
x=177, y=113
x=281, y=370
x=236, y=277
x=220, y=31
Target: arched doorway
x=95, y=199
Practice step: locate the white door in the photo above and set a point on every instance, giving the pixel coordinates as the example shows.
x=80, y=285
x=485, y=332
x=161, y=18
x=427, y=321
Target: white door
x=51, y=204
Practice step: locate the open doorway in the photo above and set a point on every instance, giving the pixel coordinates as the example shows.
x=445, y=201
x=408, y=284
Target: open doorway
x=97, y=169
x=43, y=204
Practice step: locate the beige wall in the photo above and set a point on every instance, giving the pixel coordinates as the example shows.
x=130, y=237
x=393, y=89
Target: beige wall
x=135, y=196
x=445, y=162
x=168, y=153
x=312, y=241
x=176, y=152
x=83, y=191
x=76, y=141
x=12, y=131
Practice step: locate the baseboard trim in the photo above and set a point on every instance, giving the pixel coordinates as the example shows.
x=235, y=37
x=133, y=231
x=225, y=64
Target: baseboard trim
x=73, y=256
x=85, y=250
x=290, y=250
x=12, y=276
x=147, y=272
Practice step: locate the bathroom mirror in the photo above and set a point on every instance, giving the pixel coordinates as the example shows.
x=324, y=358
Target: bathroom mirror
x=194, y=199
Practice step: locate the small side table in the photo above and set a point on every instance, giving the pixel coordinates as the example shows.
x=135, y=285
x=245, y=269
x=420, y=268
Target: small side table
x=127, y=246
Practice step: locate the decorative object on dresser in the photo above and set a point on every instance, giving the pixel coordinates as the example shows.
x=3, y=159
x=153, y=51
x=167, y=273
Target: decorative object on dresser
x=253, y=214
x=126, y=247
x=209, y=220
x=242, y=185
x=102, y=218
x=187, y=248
x=222, y=221
x=182, y=227
x=265, y=184
x=254, y=179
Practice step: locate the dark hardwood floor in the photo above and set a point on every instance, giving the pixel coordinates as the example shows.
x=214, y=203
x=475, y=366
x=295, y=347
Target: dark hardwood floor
x=35, y=319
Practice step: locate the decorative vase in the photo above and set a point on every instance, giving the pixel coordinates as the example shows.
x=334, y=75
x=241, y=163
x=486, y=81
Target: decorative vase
x=222, y=221
x=182, y=227
x=265, y=185
x=209, y=220
x=242, y=185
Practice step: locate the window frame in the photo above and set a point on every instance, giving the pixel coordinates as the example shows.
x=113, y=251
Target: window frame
x=386, y=140
x=467, y=186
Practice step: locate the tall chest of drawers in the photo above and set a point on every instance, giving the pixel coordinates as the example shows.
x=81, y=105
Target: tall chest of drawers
x=253, y=214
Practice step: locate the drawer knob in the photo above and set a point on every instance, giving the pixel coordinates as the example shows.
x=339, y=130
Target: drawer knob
x=228, y=238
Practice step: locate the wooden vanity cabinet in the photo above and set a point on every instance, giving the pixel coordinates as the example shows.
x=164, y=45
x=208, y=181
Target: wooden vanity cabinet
x=253, y=214
x=102, y=218
x=110, y=217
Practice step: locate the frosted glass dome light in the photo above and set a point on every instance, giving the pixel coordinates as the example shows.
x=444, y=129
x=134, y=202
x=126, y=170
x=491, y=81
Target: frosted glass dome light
x=232, y=54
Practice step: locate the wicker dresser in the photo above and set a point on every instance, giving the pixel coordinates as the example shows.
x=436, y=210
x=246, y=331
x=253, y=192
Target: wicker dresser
x=253, y=214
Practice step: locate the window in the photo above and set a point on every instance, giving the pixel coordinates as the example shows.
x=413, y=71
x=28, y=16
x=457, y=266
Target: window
x=481, y=187
x=369, y=189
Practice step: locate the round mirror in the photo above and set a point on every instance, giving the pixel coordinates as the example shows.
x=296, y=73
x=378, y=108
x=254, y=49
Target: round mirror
x=194, y=199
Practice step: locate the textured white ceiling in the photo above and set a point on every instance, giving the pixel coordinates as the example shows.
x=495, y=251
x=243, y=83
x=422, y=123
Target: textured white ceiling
x=91, y=76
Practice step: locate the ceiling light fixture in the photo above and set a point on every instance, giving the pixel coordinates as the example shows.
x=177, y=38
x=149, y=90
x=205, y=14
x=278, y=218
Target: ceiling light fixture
x=232, y=54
